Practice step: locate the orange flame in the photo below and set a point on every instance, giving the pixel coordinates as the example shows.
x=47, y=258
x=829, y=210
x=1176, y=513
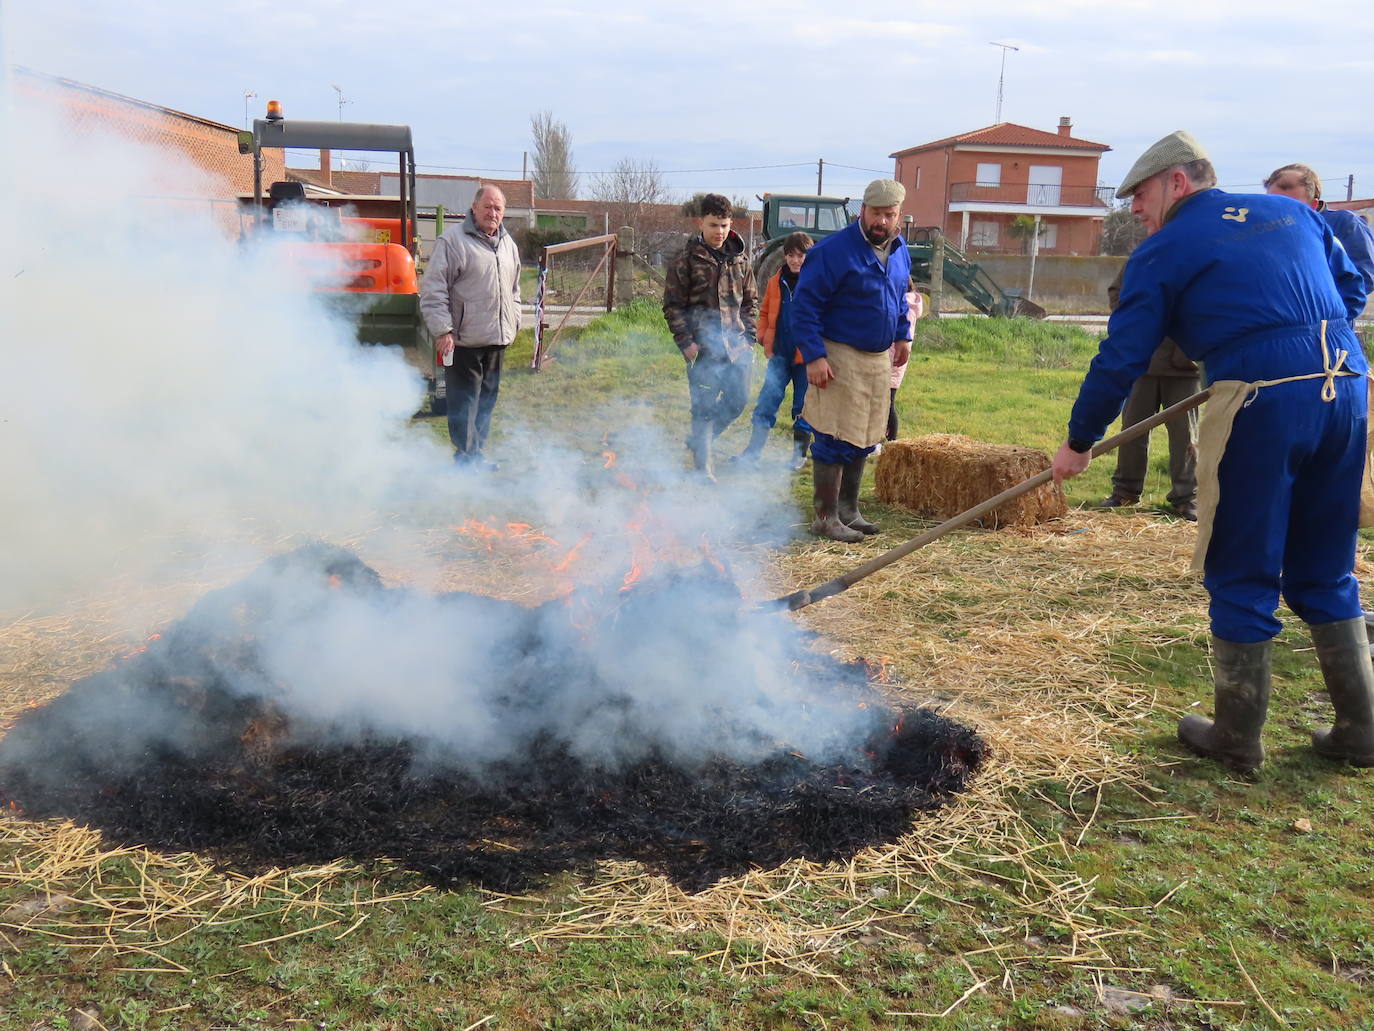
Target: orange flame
x=571, y=556
x=335, y=581
x=631, y=577
x=609, y=456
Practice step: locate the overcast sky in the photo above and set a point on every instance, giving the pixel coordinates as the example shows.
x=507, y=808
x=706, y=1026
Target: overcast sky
x=715, y=85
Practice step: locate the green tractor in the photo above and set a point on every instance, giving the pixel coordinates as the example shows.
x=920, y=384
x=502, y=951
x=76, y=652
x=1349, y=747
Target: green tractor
x=784, y=214
x=360, y=251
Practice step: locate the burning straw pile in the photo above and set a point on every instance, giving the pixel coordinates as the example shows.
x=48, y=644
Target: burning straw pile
x=540, y=761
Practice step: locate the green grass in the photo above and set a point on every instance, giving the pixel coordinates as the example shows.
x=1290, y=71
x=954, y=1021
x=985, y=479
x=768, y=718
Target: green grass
x=1208, y=878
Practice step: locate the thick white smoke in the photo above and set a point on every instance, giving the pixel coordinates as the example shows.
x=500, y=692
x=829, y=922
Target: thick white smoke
x=168, y=397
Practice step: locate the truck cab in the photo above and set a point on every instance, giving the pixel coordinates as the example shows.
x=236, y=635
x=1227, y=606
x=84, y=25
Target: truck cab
x=358, y=251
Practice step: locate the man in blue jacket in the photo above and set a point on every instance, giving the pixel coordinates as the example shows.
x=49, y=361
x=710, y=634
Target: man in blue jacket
x=1302, y=184
x=851, y=322
x=1256, y=289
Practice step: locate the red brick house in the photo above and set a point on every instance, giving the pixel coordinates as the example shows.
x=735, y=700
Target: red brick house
x=211, y=168
x=981, y=187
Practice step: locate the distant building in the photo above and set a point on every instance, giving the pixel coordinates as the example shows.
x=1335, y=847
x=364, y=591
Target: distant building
x=454, y=192
x=989, y=189
x=210, y=168
x=1363, y=208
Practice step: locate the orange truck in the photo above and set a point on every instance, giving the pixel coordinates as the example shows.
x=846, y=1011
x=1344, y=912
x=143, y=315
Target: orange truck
x=360, y=251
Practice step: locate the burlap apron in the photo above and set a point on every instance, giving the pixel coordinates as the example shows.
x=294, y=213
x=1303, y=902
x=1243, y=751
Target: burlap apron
x=853, y=406
x=1226, y=399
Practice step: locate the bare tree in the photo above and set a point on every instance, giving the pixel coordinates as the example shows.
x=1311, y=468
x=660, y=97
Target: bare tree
x=555, y=175
x=1121, y=231
x=631, y=182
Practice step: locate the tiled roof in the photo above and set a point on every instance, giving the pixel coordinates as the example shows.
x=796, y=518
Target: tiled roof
x=359, y=184
x=1008, y=134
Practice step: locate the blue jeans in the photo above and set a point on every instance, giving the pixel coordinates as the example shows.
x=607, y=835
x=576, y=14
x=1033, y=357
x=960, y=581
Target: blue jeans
x=719, y=390
x=472, y=384
x=781, y=371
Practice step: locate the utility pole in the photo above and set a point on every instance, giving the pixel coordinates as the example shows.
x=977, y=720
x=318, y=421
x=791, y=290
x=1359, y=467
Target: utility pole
x=820, y=175
x=1350, y=187
x=1002, y=75
x=247, y=96
x=524, y=164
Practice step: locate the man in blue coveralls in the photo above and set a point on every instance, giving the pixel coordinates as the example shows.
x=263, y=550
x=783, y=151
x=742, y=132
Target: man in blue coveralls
x=1255, y=288
x=852, y=325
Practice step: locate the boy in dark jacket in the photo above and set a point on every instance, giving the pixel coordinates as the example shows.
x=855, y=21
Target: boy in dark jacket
x=784, y=361
x=710, y=303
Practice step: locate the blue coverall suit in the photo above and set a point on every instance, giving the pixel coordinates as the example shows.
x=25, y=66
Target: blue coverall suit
x=1243, y=282
x=847, y=295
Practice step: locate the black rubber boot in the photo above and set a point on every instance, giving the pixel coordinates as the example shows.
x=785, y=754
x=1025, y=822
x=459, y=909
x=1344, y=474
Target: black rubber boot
x=757, y=438
x=700, y=443
x=850, y=481
x=1241, y=692
x=801, y=440
x=1343, y=651
x=827, y=500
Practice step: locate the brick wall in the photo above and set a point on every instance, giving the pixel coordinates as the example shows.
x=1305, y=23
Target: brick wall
x=207, y=163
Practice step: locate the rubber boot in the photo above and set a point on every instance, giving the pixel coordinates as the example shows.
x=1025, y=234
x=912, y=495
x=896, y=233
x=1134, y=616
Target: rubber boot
x=1241, y=692
x=700, y=443
x=754, y=448
x=827, y=500
x=850, y=480
x=1343, y=651
x=801, y=440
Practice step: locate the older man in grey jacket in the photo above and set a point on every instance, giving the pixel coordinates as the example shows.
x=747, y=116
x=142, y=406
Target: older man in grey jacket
x=470, y=300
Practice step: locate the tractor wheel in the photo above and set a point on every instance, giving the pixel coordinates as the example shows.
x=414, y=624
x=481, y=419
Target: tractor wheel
x=764, y=269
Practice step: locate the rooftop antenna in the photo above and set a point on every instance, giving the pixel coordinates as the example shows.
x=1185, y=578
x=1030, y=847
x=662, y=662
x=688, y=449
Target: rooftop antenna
x=247, y=96
x=342, y=101
x=1002, y=75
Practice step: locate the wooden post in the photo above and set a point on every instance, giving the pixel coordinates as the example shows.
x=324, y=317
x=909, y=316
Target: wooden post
x=625, y=264
x=937, y=271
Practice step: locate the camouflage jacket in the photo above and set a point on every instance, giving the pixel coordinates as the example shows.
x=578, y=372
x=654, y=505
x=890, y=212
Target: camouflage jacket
x=711, y=300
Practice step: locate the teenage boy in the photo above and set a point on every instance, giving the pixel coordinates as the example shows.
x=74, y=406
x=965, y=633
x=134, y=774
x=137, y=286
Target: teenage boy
x=711, y=304
x=784, y=360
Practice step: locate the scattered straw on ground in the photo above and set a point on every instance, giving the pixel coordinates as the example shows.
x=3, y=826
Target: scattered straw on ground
x=1025, y=635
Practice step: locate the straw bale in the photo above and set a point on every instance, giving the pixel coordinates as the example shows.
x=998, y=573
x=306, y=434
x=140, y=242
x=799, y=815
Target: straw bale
x=943, y=474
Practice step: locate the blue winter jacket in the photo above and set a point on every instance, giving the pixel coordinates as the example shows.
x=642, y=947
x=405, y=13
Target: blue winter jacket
x=1242, y=283
x=845, y=294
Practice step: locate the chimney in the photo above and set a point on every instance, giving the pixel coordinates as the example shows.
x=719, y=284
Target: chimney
x=1065, y=126
x=327, y=173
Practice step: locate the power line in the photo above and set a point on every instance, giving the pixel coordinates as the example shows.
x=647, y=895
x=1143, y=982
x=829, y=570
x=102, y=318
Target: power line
x=857, y=168
x=609, y=171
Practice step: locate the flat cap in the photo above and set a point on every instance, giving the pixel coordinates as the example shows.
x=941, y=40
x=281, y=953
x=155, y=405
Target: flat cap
x=1178, y=148
x=884, y=193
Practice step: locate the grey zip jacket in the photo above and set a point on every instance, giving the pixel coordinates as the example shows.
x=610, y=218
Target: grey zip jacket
x=472, y=287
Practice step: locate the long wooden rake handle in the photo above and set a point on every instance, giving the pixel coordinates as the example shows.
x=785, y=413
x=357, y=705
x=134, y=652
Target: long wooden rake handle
x=800, y=599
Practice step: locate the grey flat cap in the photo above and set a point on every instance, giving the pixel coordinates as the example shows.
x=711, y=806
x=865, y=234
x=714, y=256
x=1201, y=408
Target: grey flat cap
x=884, y=193
x=1178, y=148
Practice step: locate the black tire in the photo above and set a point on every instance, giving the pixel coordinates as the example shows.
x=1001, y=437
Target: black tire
x=769, y=262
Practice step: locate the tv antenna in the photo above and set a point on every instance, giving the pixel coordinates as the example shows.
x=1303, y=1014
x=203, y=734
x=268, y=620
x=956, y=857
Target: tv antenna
x=342, y=101
x=1001, y=76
